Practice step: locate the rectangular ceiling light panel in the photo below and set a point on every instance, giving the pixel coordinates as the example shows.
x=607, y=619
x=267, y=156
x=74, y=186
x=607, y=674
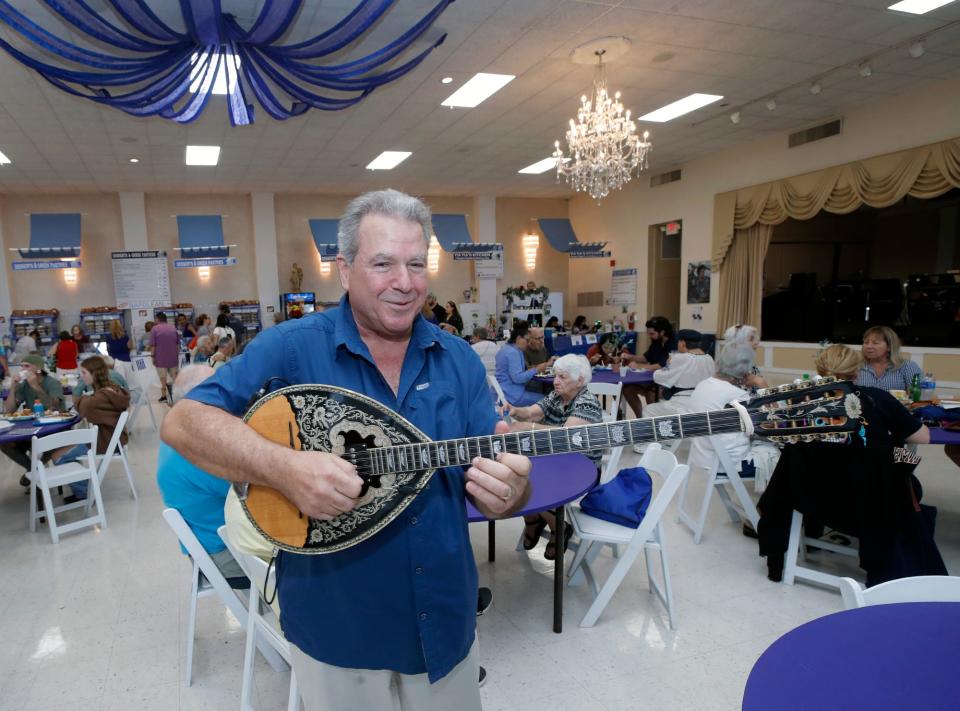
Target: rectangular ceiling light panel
x=680, y=107
x=918, y=7
x=388, y=160
x=478, y=89
x=203, y=155
x=541, y=166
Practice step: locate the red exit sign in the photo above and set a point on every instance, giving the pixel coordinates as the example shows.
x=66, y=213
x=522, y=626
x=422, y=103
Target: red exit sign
x=673, y=228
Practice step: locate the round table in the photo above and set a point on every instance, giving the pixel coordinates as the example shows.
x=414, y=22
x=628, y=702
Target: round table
x=555, y=481
x=938, y=435
x=28, y=428
x=633, y=377
x=878, y=657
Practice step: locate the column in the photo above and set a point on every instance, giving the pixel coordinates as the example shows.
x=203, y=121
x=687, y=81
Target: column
x=133, y=222
x=6, y=306
x=265, y=249
x=486, y=211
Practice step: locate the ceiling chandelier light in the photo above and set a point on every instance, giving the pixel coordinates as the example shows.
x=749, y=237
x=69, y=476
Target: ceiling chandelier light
x=603, y=143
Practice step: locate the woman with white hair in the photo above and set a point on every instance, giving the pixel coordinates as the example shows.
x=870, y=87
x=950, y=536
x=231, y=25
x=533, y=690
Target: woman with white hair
x=571, y=403
x=742, y=333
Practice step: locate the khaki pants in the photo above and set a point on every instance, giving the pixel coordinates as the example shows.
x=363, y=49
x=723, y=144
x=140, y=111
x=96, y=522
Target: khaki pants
x=328, y=688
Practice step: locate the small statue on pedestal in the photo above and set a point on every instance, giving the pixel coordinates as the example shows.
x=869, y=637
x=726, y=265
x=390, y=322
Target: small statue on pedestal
x=296, y=277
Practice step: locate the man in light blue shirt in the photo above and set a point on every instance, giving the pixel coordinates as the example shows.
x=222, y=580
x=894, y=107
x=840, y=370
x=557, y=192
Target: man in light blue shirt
x=513, y=374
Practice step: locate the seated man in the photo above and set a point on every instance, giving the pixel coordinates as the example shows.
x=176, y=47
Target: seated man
x=34, y=384
x=686, y=369
x=511, y=371
x=536, y=351
x=197, y=495
x=662, y=344
x=206, y=347
x=486, y=348
x=224, y=352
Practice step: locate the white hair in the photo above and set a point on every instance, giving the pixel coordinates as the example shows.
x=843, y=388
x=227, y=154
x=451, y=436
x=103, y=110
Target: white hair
x=575, y=365
x=741, y=334
x=190, y=377
x=389, y=203
x=735, y=360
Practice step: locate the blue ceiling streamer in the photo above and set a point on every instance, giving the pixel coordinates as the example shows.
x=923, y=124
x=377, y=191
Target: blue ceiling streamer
x=154, y=65
x=451, y=230
x=53, y=235
x=324, y=233
x=559, y=233
x=201, y=236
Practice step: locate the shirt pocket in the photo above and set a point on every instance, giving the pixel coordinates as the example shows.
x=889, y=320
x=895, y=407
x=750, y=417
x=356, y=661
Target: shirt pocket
x=438, y=412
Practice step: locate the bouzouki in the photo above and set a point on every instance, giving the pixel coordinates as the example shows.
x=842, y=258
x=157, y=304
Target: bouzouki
x=396, y=460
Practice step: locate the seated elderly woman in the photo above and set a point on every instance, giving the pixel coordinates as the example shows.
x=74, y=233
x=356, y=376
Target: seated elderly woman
x=570, y=404
x=855, y=485
x=747, y=334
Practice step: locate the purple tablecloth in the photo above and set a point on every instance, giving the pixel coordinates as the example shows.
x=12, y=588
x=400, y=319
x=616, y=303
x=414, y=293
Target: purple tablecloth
x=25, y=430
x=879, y=657
x=938, y=435
x=633, y=377
x=556, y=480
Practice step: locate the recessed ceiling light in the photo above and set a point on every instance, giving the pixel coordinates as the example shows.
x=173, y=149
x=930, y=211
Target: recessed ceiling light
x=203, y=155
x=771, y=104
x=918, y=7
x=680, y=107
x=479, y=88
x=541, y=166
x=4, y=160
x=446, y=80
x=917, y=49
x=735, y=117
x=388, y=160
x=816, y=88
x=865, y=70
x=134, y=160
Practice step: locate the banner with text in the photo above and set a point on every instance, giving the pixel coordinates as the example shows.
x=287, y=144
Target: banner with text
x=204, y=262
x=588, y=250
x=40, y=264
x=141, y=279
x=623, y=287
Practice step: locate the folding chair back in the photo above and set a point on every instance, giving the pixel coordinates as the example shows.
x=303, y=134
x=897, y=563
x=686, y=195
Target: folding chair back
x=609, y=396
x=920, y=588
x=46, y=476
x=115, y=450
x=501, y=398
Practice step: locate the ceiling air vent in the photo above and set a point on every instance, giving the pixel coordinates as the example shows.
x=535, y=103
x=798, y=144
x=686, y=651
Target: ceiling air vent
x=664, y=178
x=815, y=133
x=589, y=298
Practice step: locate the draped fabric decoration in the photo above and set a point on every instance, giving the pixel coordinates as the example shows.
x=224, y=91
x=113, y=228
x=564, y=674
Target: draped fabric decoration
x=153, y=69
x=324, y=233
x=925, y=172
x=451, y=230
x=53, y=236
x=201, y=236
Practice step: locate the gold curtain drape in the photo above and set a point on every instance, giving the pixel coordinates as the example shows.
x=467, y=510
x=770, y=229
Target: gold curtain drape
x=741, y=290
x=924, y=172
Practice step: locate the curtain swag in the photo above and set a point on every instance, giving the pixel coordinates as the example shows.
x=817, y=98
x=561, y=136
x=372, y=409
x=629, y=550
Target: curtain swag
x=924, y=172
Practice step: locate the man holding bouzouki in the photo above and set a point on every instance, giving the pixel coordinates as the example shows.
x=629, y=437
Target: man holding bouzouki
x=385, y=621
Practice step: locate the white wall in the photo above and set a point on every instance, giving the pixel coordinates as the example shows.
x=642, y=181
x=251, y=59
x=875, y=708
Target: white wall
x=926, y=116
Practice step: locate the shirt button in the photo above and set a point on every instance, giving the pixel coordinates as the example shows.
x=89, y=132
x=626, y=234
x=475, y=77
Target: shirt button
x=418, y=570
x=414, y=521
x=423, y=615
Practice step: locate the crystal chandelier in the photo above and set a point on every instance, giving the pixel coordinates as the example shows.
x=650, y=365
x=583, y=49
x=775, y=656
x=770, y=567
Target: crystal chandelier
x=603, y=142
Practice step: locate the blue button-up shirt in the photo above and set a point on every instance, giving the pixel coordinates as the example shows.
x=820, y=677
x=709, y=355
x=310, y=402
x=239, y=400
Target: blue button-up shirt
x=404, y=599
x=513, y=376
x=892, y=378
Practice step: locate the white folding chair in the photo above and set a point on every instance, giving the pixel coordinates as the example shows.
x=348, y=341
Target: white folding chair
x=797, y=550
x=207, y=580
x=921, y=588
x=140, y=395
x=722, y=472
x=501, y=398
x=47, y=476
x=609, y=396
x=262, y=624
x=116, y=450
x=649, y=536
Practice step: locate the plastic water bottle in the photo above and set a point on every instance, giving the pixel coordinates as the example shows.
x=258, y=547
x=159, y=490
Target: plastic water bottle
x=928, y=386
x=37, y=408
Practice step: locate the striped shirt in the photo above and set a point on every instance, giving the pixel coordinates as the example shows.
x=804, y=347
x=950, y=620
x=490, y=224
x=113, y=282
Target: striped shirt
x=584, y=406
x=892, y=378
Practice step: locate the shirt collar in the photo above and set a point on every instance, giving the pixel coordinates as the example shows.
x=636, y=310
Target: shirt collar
x=346, y=334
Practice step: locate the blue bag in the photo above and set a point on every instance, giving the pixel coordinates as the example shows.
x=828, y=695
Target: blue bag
x=622, y=500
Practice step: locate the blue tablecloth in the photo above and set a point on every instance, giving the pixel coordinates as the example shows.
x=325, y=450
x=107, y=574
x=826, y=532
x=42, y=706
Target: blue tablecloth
x=879, y=657
x=560, y=343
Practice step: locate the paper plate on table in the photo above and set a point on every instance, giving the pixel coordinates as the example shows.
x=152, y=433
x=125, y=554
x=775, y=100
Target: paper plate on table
x=53, y=419
x=4, y=424
x=18, y=418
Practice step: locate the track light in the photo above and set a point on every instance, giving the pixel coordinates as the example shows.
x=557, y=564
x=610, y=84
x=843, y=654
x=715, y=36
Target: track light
x=771, y=104
x=735, y=117
x=815, y=88
x=917, y=49
x=865, y=70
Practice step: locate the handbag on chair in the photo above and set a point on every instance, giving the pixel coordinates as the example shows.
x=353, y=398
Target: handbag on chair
x=623, y=500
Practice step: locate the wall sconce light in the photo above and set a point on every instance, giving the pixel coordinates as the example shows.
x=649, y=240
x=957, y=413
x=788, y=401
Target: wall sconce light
x=433, y=255
x=203, y=272
x=324, y=267
x=70, y=276
x=530, y=244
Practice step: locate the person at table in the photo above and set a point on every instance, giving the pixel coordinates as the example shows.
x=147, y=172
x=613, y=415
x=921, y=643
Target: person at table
x=850, y=484
x=35, y=384
x=486, y=348
x=662, y=344
x=224, y=352
x=119, y=345
x=570, y=404
x=165, y=348
x=198, y=496
x=884, y=366
x=554, y=323
x=686, y=369
x=512, y=373
x=439, y=313
x=742, y=333
x=115, y=377
x=604, y=352
x=101, y=404
x=26, y=345
x=536, y=351
x=205, y=348
x=452, y=321
x=376, y=343
x=580, y=325
x=65, y=353
x=80, y=338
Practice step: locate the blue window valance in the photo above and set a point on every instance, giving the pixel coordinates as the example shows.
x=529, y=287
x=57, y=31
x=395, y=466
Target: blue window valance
x=451, y=230
x=559, y=233
x=201, y=236
x=324, y=233
x=53, y=235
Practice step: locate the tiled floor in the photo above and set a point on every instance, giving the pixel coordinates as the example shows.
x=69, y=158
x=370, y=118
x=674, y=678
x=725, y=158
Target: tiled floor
x=97, y=622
